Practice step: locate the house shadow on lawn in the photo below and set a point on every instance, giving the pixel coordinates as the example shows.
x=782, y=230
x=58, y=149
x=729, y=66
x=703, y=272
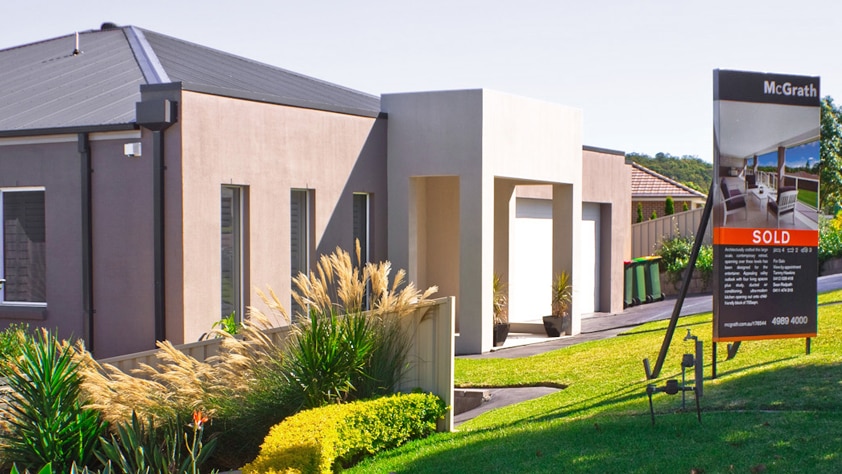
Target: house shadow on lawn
x=784, y=418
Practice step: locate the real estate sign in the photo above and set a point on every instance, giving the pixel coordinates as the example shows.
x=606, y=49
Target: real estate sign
x=765, y=214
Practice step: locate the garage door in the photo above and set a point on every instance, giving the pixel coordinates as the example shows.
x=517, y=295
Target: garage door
x=531, y=262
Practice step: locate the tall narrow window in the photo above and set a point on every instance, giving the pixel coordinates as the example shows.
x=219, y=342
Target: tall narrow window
x=24, y=246
x=232, y=252
x=361, y=234
x=361, y=226
x=299, y=226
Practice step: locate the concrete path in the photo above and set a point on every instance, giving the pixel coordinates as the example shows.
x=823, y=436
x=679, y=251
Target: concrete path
x=600, y=326
x=594, y=327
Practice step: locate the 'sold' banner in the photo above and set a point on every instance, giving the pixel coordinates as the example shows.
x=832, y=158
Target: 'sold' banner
x=765, y=215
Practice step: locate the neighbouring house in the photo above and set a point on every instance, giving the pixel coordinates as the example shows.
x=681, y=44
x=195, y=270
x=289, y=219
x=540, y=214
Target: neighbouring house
x=150, y=186
x=650, y=190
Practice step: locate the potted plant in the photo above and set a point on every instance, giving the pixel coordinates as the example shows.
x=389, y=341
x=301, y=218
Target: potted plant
x=560, y=321
x=500, y=311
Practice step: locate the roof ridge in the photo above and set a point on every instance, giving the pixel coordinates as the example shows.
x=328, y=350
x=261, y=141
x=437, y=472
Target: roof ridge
x=669, y=180
x=150, y=66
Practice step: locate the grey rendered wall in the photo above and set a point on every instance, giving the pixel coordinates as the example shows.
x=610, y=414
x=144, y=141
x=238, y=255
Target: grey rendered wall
x=54, y=164
x=123, y=258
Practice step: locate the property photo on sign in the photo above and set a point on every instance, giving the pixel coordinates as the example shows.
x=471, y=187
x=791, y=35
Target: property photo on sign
x=765, y=214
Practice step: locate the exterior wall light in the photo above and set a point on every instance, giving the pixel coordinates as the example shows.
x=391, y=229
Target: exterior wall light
x=132, y=149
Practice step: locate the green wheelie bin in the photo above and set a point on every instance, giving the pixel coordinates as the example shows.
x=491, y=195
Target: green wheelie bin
x=639, y=280
x=653, y=279
x=629, y=283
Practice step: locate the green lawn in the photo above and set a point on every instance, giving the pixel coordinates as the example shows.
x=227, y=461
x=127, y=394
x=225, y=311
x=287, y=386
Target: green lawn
x=772, y=409
x=810, y=198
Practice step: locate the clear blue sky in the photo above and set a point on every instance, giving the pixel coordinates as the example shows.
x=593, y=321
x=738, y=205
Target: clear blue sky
x=804, y=155
x=641, y=71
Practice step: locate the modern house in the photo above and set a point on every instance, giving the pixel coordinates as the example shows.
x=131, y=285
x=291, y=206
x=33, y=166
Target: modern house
x=149, y=186
x=651, y=189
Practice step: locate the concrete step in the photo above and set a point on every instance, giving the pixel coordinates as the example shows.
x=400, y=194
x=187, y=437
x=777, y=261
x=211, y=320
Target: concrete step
x=465, y=399
x=530, y=327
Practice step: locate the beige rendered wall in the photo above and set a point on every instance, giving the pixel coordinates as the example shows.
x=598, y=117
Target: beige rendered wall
x=606, y=179
x=269, y=149
x=482, y=137
x=438, y=225
x=436, y=135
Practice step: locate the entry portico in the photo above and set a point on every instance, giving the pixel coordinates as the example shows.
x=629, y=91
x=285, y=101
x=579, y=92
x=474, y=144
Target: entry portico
x=455, y=160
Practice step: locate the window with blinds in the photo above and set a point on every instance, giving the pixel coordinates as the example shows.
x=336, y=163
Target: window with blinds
x=232, y=252
x=24, y=246
x=361, y=234
x=299, y=227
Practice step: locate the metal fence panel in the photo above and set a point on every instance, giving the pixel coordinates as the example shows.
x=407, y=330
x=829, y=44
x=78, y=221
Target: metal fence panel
x=647, y=235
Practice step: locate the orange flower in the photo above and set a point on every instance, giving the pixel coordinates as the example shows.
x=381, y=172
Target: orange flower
x=199, y=419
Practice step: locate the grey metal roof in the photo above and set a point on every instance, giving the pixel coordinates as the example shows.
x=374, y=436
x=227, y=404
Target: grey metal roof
x=196, y=66
x=45, y=85
x=48, y=85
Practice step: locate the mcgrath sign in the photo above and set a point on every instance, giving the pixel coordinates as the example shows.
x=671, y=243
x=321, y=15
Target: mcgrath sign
x=765, y=214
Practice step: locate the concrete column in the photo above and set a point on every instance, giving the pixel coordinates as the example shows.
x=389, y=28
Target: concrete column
x=402, y=215
x=476, y=263
x=504, y=212
x=567, y=216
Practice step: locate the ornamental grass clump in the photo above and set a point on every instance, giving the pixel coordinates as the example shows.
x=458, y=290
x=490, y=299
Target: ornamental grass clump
x=339, y=285
x=351, y=344
x=337, y=352
x=239, y=387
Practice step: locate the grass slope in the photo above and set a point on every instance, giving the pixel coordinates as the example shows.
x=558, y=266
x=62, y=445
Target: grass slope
x=771, y=409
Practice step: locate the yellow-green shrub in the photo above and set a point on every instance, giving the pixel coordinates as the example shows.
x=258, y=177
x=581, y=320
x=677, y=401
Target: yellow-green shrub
x=320, y=439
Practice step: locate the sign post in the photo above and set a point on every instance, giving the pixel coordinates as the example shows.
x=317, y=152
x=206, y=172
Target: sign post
x=765, y=206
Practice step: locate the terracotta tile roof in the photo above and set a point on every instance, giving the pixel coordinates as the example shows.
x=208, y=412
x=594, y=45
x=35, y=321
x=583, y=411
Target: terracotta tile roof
x=649, y=184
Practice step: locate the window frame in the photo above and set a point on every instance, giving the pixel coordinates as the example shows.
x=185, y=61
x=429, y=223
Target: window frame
x=302, y=262
x=238, y=251
x=363, y=200
x=7, y=190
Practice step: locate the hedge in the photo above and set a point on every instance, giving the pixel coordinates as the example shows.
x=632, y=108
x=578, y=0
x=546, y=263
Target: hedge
x=323, y=439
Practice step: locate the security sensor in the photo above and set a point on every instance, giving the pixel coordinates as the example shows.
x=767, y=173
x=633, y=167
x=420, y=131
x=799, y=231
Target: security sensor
x=131, y=149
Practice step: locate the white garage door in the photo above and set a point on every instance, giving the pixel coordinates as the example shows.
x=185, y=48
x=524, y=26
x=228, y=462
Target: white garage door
x=531, y=262
x=531, y=266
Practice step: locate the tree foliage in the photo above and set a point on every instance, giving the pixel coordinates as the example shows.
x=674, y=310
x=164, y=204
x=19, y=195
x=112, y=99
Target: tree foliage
x=639, y=213
x=688, y=170
x=830, y=151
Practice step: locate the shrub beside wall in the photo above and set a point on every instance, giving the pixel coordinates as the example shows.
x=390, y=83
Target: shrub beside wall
x=675, y=255
x=336, y=436
x=830, y=243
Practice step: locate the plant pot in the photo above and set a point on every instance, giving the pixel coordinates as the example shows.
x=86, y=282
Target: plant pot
x=556, y=326
x=501, y=332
